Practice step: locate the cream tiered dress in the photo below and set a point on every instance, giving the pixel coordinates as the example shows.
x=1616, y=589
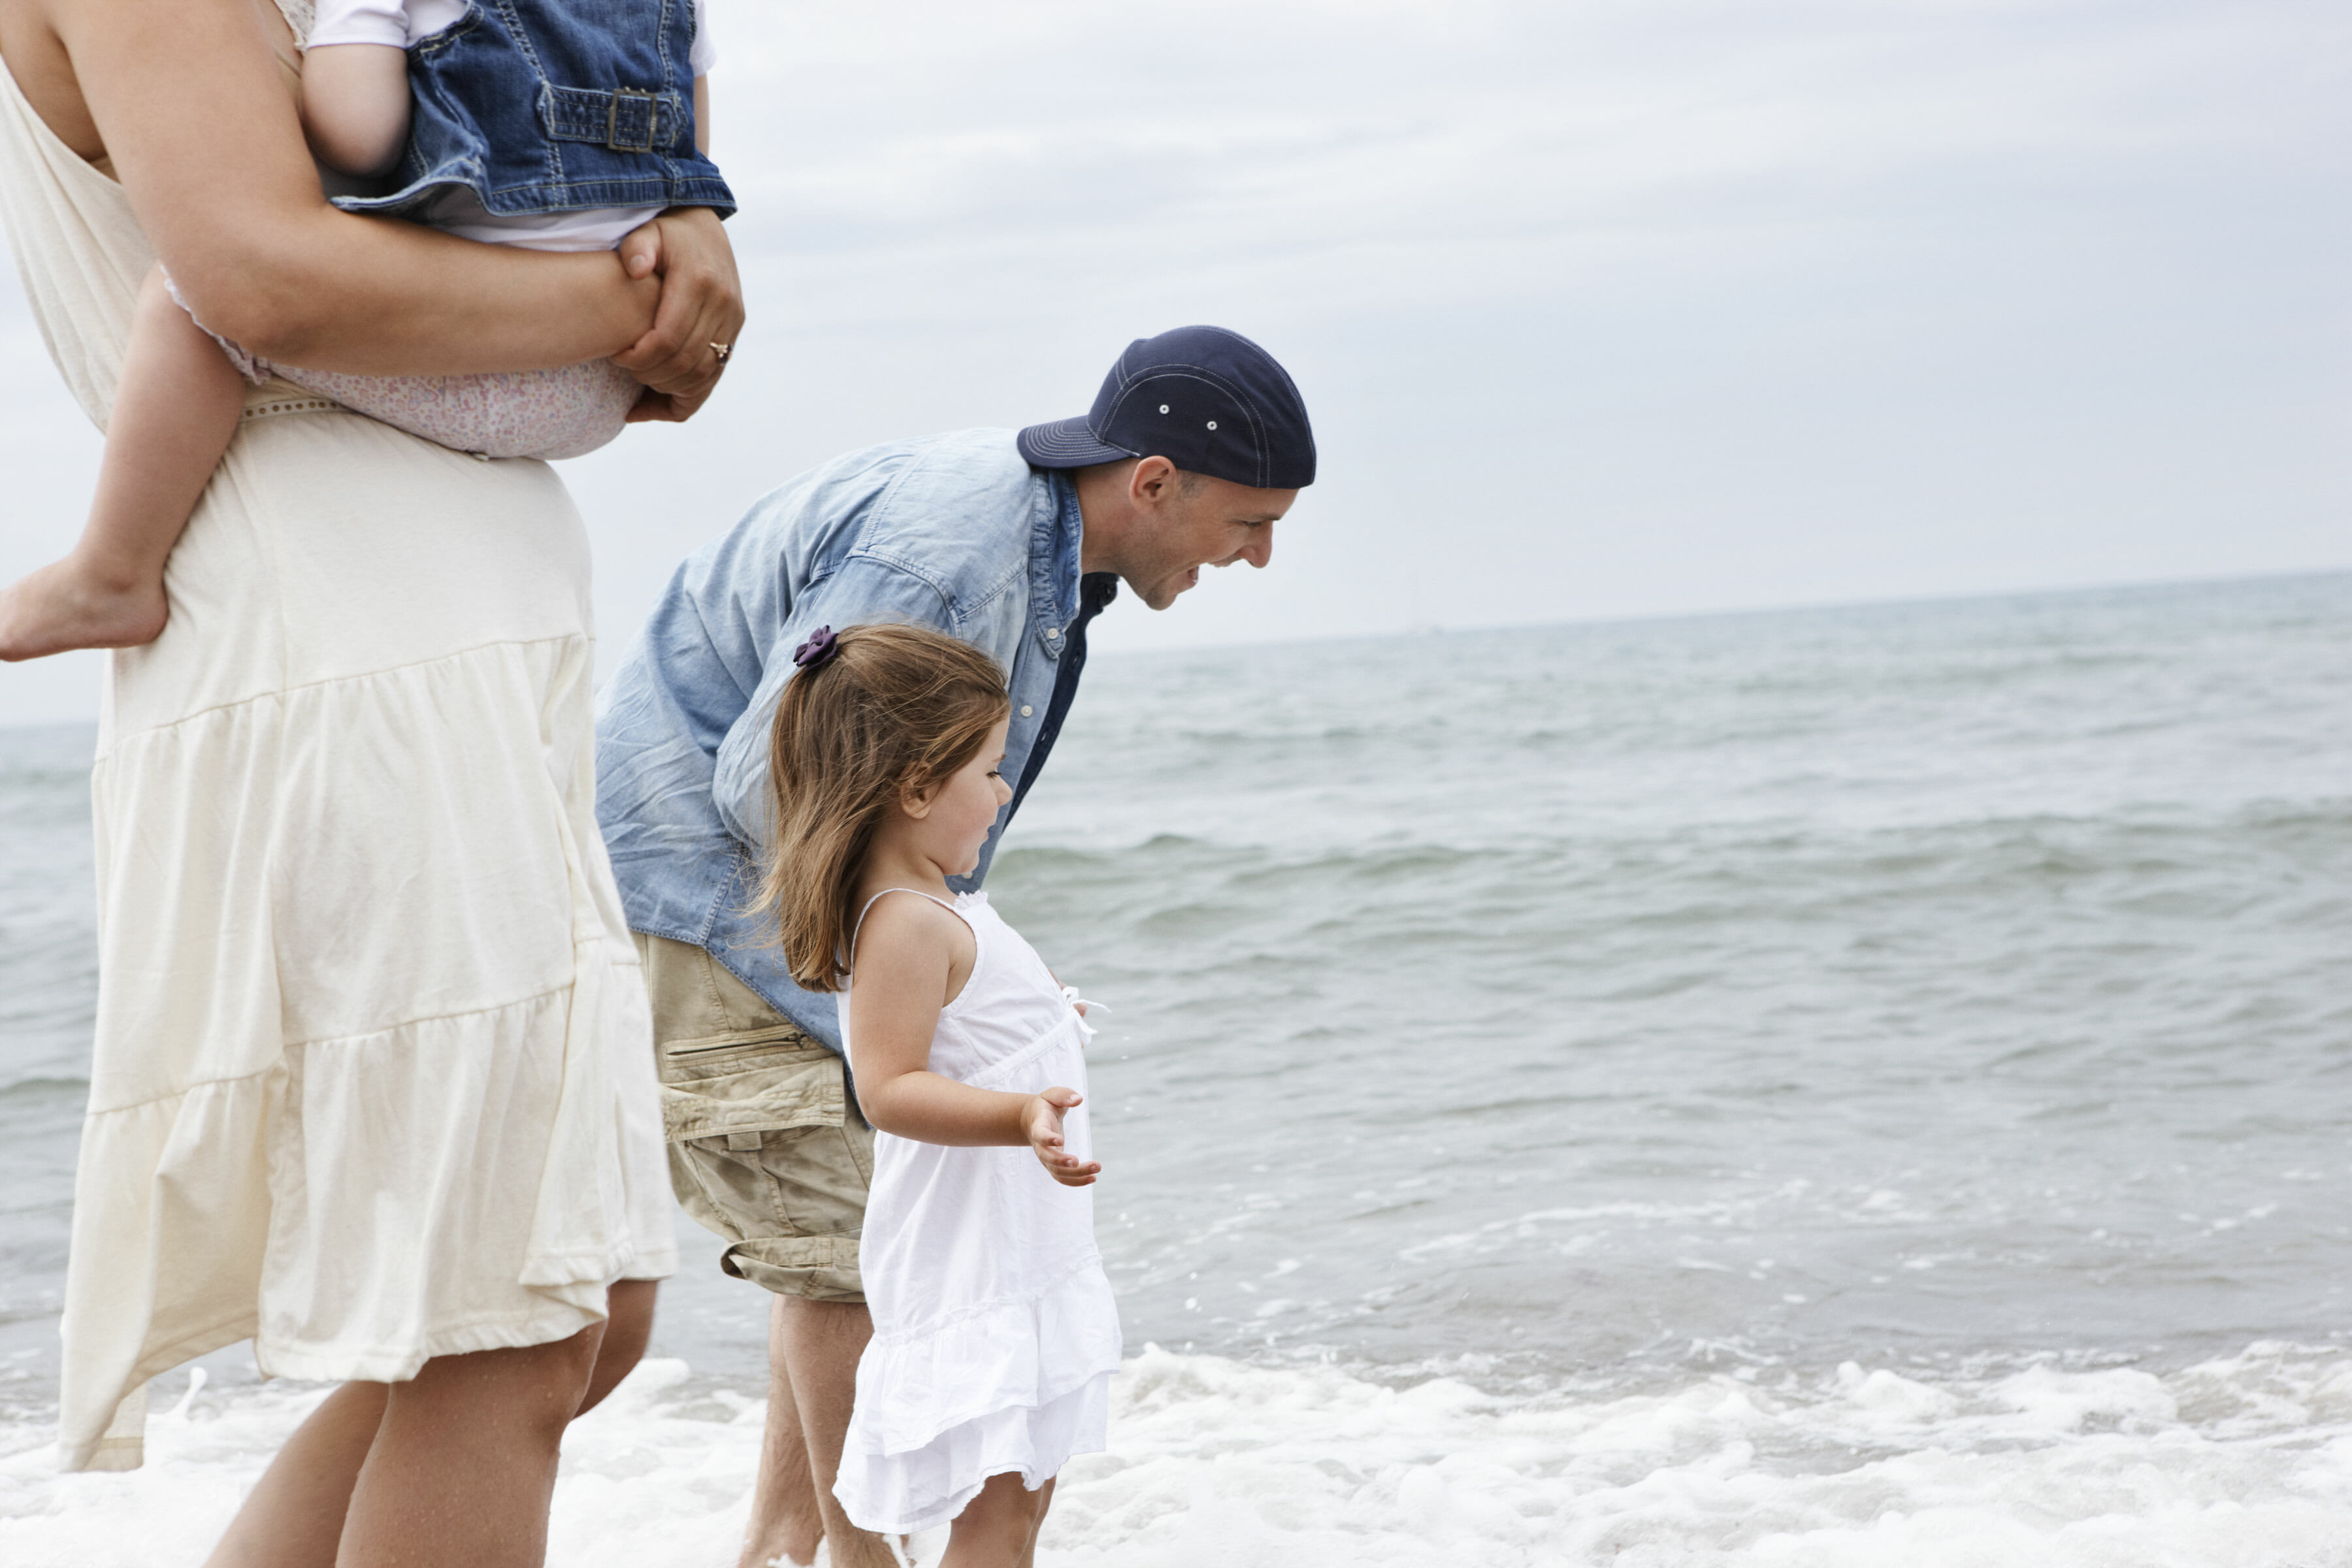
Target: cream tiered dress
x=372, y=1078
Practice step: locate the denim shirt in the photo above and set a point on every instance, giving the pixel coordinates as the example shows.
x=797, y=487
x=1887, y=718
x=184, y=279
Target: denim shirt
x=955, y=532
x=544, y=106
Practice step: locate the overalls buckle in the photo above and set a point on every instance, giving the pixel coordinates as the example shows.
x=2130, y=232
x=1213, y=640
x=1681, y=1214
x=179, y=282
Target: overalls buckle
x=613, y=120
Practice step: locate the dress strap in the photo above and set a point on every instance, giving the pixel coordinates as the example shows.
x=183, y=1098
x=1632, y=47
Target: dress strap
x=886, y=893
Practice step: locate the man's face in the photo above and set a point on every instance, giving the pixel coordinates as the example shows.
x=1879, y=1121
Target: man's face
x=1202, y=521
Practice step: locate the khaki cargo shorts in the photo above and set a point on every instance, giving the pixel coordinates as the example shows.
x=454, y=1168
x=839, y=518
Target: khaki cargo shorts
x=764, y=1152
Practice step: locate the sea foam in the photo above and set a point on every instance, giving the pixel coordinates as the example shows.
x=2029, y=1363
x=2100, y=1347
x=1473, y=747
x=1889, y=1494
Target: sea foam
x=2245, y=1461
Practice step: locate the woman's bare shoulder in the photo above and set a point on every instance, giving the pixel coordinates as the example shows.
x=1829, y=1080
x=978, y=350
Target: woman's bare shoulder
x=36, y=55
x=48, y=45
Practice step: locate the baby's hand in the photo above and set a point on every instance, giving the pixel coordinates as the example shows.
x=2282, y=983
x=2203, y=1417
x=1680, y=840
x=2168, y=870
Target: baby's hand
x=1041, y=1119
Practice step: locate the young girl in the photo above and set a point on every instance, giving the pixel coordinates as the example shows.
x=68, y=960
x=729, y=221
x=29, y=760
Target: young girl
x=429, y=89
x=994, y=1330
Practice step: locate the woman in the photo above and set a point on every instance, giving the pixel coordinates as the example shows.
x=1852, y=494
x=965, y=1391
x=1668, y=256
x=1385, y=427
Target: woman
x=372, y=1083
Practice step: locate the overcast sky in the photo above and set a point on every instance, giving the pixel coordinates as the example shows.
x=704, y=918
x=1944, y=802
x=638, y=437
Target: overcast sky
x=1600, y=309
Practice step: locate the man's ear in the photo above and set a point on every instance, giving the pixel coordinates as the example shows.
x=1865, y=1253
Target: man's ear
x=1153, y=483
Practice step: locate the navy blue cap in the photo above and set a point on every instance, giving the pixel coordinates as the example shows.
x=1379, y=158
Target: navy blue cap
x=1209, y=401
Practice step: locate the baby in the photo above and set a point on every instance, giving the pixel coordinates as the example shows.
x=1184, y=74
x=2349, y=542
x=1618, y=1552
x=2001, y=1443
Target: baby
x=517, y=123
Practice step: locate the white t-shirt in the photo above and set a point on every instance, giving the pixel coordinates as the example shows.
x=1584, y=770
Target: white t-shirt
x=457, y=210
x=401, y=24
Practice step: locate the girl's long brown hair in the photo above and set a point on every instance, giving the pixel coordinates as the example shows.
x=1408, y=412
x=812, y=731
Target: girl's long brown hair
x=895, y=709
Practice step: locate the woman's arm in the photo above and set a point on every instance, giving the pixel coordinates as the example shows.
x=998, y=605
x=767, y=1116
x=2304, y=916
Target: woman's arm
x=912, y=956
x=206, y=143
x=701, y=304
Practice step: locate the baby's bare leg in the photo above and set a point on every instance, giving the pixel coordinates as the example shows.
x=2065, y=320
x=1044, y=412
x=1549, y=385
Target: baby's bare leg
x=174, y=416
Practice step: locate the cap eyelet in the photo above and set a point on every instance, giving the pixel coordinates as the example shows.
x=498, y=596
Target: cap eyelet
x=1163, y=408
x=1213, y=423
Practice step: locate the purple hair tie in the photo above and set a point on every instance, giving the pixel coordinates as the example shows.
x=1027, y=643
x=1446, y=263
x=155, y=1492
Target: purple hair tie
x=818, y=651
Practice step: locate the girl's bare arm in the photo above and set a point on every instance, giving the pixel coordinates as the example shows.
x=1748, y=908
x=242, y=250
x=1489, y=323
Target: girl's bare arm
x=185, y=98
x=907, y=961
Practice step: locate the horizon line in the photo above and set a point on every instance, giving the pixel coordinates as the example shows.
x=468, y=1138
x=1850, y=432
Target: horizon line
x=1636, y=618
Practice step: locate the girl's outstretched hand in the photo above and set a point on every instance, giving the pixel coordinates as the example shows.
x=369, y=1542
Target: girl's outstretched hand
x=701, y=304
x=1041, y=1119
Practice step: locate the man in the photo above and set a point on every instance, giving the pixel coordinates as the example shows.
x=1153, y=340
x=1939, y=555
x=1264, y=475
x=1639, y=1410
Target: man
x=1197, y=444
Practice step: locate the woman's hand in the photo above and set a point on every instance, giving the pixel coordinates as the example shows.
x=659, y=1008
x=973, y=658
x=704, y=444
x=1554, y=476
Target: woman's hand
x=1040, y=1118
x=701, y=304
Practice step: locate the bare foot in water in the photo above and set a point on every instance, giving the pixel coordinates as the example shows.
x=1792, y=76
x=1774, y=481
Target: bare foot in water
x=70, y=604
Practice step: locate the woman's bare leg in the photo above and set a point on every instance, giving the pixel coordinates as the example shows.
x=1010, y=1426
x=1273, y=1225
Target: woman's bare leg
x=629, y=1323
x=998, y=1528
x=463, y=1467
x=174, y=416
x=296, y=1515
x=786, y=1522
x=293, y=1518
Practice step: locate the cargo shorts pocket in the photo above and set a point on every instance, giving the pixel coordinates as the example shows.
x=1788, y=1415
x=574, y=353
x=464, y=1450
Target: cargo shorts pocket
x=761, y=1145
x=819, y=1267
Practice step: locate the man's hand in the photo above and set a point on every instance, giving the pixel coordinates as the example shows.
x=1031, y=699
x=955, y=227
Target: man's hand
x=701, y=304
x=1041, y=1119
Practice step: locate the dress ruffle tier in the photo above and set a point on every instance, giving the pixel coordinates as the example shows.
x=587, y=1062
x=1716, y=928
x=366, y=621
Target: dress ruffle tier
x=1007, y=1386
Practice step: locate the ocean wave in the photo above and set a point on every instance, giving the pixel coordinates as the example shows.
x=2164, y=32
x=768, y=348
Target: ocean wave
x=2163, y=859
x=2245, y=1459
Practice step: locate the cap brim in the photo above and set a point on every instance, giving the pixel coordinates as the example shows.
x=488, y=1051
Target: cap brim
x=1066, y=444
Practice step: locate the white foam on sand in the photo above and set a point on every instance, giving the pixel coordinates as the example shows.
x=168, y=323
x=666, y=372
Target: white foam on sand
x=2237, y=1463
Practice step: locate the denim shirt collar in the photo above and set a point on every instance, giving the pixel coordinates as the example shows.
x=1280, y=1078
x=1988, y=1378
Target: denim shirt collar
x=1054, y=552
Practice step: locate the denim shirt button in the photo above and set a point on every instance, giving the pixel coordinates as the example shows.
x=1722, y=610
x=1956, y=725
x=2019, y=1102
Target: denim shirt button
x=1052, y=632
x=1024, y=710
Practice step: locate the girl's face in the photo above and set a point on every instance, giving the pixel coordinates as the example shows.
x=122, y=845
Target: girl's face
x=955, y=821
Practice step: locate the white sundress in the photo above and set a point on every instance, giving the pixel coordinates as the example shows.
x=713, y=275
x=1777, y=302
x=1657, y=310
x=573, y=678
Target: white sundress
x=995, y=1332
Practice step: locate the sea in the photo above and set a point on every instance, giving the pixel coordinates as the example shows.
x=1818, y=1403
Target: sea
x=1863, y=1086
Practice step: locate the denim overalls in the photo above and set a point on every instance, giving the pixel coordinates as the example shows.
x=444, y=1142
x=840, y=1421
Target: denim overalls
x=547, y=106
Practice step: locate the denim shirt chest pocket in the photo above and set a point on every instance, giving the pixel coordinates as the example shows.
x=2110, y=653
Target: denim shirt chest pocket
x=545, y=105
